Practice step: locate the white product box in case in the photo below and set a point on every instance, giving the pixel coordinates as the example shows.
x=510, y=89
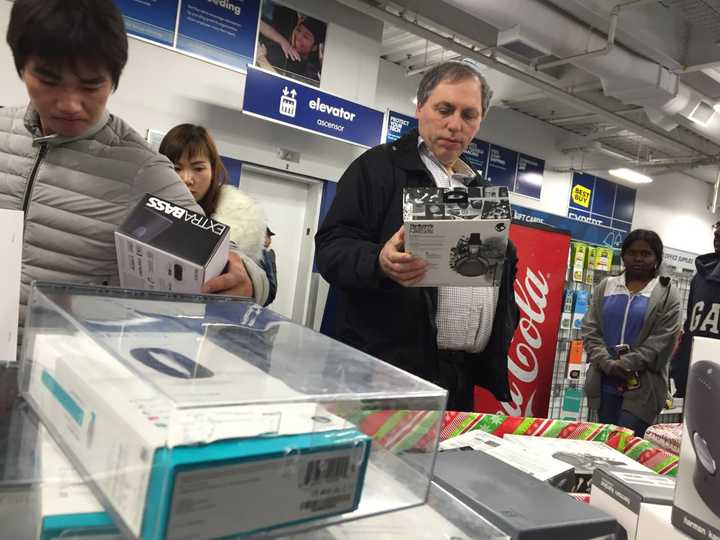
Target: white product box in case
x=176, y=407
x=628, y=495
x=164, y=247
x=696, y=509
x=547, y=469
x=58, y=503
x=462, y=233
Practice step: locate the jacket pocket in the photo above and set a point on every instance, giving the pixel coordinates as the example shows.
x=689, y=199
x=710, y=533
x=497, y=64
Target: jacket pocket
x=593, y=381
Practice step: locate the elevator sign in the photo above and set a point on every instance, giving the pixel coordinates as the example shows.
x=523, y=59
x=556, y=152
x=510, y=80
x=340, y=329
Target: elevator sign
x=304, y=107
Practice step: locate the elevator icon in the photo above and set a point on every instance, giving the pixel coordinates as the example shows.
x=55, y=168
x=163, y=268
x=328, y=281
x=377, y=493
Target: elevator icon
x=288, y=103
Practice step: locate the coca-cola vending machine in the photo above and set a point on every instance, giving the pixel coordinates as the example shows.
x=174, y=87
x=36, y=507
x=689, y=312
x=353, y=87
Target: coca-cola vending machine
x=542, y=266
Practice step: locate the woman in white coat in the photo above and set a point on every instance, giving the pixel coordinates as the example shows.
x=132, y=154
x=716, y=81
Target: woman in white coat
x=194, y=154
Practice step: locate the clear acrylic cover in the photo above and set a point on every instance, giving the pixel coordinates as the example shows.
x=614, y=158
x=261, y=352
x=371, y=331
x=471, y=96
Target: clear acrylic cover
x=204, y=417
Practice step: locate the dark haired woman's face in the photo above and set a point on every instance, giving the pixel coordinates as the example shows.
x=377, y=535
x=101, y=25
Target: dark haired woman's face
x=197, y=174
x=640, y=260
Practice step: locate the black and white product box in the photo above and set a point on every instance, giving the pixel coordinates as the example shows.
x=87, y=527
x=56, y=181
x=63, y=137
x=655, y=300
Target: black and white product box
x=584, y=456
x=628, y=495
x=548, y=469
x=165, y=247
x=696, y=508
x=461, y=232
x=518, y=504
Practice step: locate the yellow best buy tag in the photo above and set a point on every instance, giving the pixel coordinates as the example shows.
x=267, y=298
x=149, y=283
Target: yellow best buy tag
x=581, y=195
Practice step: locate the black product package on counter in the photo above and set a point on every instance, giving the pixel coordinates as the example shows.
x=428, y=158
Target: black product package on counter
x=522, y=506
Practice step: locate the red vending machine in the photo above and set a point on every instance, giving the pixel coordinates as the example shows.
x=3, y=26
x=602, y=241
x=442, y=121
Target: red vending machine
x=542, y=266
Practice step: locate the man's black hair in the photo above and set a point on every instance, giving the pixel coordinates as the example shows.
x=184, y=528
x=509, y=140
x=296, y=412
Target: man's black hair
x=65, y=33
x=653, y=240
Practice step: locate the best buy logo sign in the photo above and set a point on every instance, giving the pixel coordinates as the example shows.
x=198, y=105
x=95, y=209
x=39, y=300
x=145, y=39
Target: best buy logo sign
x=581, y=195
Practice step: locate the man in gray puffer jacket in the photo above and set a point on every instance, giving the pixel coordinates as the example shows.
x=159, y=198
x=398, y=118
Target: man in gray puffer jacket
x=74, y=169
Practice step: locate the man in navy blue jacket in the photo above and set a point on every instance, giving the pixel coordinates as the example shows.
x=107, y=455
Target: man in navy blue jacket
x=703, y=311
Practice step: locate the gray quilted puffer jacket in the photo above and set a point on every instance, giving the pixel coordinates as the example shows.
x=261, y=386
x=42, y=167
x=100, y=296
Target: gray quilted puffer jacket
x=76, y=191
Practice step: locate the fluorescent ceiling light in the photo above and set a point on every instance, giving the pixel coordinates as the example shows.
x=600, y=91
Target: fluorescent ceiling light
x=631, y=176
x=702, y=113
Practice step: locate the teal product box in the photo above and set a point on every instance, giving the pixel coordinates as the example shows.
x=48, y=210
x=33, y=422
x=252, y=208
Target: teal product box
x=189, y=480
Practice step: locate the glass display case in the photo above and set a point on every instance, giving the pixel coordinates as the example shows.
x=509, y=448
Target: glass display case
x=208, y=417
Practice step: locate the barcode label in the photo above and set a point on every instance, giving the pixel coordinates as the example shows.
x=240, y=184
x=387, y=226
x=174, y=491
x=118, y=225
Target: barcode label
x=327, y=503
x=326, y=470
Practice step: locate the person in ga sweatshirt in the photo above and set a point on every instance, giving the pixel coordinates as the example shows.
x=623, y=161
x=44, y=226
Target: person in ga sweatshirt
x=703, y=311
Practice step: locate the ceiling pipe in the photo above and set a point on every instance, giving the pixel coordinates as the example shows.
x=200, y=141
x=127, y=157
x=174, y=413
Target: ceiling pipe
x=607, y=48
x=716, y=191
x=625, y=75
x=450, y=43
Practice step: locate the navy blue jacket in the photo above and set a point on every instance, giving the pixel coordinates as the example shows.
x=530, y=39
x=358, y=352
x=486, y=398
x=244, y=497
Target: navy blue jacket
x=375, y=314
x=703, y=315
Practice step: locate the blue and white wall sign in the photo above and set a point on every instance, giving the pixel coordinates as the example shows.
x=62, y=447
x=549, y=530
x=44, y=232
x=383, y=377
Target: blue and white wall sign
x=529, y=175
x=585, y=232
x=501, y=166
x=304, y=107
x=476, y=155
x=601, y=202
x=220, y=30
x=153, y=20
x=398, y=125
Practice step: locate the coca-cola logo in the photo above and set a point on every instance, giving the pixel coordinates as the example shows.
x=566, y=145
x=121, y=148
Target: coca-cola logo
x=531, y=295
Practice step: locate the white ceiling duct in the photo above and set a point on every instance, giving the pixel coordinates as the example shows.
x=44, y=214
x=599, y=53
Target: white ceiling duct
x=624, y=75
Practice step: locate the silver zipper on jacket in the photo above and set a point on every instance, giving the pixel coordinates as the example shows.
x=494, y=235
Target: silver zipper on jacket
x=31, y=179
x=625, y=318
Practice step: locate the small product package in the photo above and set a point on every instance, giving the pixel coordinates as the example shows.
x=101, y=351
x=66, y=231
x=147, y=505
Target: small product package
x=696, y=508
x=584, y=456
x=164, y=247
x=555, y=472
x=461, y=232
x=629, y=495
x=176, y=407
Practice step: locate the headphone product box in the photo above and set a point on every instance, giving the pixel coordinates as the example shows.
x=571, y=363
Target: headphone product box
x=696, y=509
x=584, y=456
x=165, y=247
x=628, y=496
x=461, y=232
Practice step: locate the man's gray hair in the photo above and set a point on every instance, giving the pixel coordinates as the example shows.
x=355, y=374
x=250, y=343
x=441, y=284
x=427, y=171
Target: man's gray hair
x=453, y=72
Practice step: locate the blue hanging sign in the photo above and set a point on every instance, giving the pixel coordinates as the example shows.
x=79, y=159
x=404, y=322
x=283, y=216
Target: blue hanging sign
x=502, y=166
x=529, y=176
x=398, y=125
x=476, y=155
x=598, y=201
x=304, y=107
x=153, y=20
x=223, y=31
x=585, y=232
